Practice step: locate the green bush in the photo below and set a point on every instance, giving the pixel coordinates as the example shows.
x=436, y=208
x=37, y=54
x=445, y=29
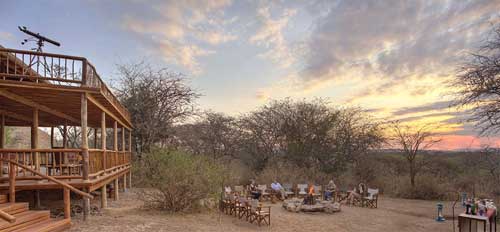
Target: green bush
x=175, y=181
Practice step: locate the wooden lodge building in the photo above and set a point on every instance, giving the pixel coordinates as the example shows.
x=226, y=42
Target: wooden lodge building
x=43, y=90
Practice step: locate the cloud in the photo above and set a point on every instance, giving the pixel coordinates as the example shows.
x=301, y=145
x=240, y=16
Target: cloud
x=270, y=35
x=440, y=105
x=6, y=36
x=181, y=31
x=394, y=40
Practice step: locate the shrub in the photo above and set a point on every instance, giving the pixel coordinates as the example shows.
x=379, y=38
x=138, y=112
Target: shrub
x=175, y=181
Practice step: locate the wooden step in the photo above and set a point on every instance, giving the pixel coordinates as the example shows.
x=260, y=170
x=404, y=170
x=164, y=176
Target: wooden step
x=49, y=225
x=4, y=199
x=24, y=220
x=14, y=208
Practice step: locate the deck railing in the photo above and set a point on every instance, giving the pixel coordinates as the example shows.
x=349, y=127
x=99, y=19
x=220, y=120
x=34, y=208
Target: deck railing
x=62, y=163
x=54, y=69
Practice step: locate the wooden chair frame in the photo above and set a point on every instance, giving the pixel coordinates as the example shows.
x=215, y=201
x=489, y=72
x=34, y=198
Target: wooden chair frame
x=259, y=214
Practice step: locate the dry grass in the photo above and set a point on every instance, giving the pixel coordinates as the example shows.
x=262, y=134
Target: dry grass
x=392, y=215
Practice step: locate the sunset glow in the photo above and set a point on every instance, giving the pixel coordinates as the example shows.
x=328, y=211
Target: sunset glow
x=394, y=59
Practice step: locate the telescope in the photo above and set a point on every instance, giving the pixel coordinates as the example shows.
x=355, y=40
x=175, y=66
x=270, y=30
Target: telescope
x=40, y=39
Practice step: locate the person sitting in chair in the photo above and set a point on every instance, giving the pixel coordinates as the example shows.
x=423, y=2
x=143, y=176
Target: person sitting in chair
x=357, y=193
x=254, y=191
x=278, y=189
x=331, y=188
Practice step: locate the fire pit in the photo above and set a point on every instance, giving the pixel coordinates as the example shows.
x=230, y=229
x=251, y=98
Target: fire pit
x=297, y=205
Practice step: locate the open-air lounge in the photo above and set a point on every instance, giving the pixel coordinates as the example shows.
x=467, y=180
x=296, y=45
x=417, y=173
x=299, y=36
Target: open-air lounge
x=42, y=90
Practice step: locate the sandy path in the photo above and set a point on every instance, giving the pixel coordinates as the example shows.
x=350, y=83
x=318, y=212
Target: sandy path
x=392, y=215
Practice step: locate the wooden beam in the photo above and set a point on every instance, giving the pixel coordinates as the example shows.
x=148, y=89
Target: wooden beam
x=37, y=105
x=104, y=109
x=10, y=114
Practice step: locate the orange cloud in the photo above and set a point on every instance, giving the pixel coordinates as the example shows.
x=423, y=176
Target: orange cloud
x=453, y=142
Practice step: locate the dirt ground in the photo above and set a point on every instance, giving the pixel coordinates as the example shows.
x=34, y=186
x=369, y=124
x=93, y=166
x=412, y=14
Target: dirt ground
x=392, y=215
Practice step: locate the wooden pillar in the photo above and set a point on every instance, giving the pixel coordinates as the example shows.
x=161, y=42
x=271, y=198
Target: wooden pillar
x=85, y=152
x=12, y=182
x=2, y=131
x=116, y=190
x=67, y=203
x=104, y=197
x=115, y=143
x=36, y=158
x=65, y=135
x=123, y=139
x=95, y=138
x=103, y=139
x=130, y=141
x=51, y=137
x=115, y=136
x=130, y=179
x=125, y=182
x=34, y=138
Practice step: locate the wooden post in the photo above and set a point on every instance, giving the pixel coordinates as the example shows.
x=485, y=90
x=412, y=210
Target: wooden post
x=67, y=203
x=123, y=153
x=2, y=131
x=103, y=140
x=130, y=141
x=115, y=143
x=116, y=189
x=123, y=139
x=130, y=179
x=34, y=138
x=95, y=138
x=51, y=137
x=104, y=197
x=125, y=182
x=115, y=135
x=85, y=152
x=12, y=183
x=65, y=135
x=34, y=145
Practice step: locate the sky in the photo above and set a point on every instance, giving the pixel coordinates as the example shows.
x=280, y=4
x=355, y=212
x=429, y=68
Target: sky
x=393, y=58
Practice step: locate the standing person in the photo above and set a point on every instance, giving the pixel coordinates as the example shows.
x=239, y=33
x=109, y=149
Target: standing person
x=331, y=188
x=278, y=189
x=254, y=191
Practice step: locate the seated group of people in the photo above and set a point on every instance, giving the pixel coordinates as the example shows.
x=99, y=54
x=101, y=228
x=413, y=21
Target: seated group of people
x=329, y=193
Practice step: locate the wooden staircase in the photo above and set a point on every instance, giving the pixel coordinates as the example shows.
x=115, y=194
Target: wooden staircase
x=29, y=220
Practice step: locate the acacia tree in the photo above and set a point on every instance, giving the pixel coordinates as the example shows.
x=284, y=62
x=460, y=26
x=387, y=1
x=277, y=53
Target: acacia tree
x=216, y=135
x=156, y=99
x=309, y=134
x=478, y=81
x=412, y=141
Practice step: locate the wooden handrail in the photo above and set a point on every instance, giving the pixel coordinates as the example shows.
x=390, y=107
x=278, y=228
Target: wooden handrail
x=42, y=150
x=65, y=185
x=7, y=217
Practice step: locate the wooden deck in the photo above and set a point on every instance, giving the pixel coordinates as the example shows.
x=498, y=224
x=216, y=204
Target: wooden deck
x=53, y=90
x=92, y=185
